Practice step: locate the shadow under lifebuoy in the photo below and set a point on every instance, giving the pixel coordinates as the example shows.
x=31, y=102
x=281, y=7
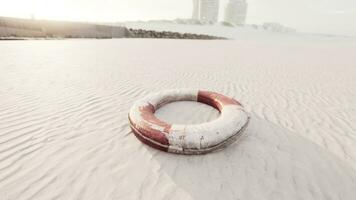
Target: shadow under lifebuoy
x=268, y=162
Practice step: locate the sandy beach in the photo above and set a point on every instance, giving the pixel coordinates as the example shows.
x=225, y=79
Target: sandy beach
x=64, y=130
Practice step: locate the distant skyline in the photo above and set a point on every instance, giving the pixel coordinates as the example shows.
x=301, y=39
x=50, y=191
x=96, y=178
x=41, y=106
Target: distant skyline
x=315, y=16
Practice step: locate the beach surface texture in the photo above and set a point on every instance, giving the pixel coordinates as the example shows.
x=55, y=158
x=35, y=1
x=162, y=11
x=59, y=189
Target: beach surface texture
x=64, y=130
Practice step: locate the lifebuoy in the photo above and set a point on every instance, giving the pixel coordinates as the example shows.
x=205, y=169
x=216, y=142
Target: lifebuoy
x=188, y=139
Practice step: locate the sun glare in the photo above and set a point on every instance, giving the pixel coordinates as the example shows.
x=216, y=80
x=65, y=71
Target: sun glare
x=47, y=9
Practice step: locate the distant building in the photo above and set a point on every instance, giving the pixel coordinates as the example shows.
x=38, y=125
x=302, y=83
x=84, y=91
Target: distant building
x=236, y=11
x=206, y=11
x=209, y=11
x=195, y=14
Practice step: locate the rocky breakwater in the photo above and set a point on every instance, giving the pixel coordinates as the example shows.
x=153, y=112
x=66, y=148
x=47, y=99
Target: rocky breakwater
x=141, y=33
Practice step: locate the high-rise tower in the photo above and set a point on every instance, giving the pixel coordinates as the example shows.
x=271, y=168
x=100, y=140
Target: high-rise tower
x=195, y=14
x=206, y=11
x=209, y=10
x=236, y=11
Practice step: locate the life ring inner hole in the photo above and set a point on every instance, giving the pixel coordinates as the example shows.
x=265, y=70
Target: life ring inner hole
x=186, y=112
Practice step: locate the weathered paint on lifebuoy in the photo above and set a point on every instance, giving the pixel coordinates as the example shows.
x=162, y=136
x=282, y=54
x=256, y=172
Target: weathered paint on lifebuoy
x=188, y=139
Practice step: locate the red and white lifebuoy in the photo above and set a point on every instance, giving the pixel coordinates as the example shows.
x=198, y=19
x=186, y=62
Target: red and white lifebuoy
x=188, y=139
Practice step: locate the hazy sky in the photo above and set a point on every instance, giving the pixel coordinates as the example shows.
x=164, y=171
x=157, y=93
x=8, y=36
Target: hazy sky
x=319, y=16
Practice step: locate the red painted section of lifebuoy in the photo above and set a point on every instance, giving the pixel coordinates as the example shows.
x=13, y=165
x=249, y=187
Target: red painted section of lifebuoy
x=162, y=145
x=216, y=100
x=147, y=113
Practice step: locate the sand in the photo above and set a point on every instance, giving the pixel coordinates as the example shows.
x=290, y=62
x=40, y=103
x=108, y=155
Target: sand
x=64, y=132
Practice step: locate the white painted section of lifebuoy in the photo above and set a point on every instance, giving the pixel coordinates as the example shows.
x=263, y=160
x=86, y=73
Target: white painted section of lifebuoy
x=161, y=98
x=205, y=135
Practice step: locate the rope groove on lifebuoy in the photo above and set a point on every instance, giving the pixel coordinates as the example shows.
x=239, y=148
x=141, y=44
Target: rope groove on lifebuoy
x=188, y=139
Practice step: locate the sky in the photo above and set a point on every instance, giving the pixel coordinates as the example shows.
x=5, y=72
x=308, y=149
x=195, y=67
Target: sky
x=314, y=16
